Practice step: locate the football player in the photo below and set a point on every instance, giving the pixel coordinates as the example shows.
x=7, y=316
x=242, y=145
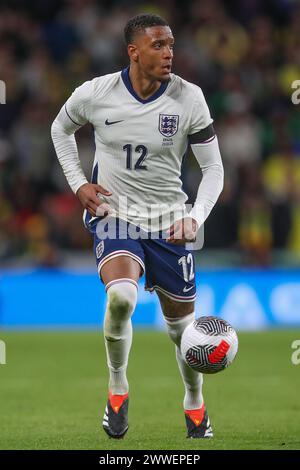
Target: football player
x=144, y=119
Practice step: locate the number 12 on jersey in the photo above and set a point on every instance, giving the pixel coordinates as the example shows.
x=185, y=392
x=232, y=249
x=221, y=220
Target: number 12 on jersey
x=138, y=149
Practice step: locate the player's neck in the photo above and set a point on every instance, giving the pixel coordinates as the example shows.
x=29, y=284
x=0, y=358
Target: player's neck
x=142, y=85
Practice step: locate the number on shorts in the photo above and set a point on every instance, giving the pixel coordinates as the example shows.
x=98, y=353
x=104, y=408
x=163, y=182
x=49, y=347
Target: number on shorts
x=184, y=261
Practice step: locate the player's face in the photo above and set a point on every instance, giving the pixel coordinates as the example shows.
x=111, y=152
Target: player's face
x=153, y=52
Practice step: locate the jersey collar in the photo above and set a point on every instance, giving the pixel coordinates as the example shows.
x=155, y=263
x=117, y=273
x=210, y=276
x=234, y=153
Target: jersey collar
x=128, y=84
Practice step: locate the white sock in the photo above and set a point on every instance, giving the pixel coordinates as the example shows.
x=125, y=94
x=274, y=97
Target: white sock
x=192, y=380
x=121, y=302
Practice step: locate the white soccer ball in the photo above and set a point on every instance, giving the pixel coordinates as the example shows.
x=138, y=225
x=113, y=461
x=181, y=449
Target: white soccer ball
x=209, y=344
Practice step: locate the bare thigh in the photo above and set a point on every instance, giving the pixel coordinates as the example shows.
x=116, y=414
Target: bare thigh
x=173, y=309
x=121, y=267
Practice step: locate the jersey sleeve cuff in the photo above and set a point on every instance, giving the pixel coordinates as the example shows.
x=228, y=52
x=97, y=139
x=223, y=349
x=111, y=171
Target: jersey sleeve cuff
x=78, y=185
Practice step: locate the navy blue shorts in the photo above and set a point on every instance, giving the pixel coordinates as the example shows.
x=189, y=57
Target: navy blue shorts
x=168, y=268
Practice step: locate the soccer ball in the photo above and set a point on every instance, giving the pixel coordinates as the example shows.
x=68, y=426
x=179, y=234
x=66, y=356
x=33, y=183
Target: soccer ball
x=209, y=344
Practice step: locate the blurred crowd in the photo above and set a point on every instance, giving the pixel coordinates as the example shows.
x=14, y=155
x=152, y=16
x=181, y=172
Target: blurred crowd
x=244, y=54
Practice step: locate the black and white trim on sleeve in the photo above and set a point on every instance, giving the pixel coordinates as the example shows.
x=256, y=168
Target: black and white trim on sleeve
x=204, y=136
x=77, y=124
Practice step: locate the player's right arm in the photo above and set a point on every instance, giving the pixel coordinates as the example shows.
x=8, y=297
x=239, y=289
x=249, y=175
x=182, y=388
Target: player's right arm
x=76, y=112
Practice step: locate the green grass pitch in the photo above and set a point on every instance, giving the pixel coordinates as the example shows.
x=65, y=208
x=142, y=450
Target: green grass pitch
x=53, y=392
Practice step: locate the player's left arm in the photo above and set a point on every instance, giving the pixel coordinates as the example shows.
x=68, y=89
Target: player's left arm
x=204, y=144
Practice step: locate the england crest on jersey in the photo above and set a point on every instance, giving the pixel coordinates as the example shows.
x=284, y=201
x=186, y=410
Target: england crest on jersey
x=168, y=124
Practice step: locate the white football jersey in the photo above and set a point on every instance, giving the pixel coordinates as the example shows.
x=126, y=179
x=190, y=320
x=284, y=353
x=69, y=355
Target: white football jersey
x=140, y=144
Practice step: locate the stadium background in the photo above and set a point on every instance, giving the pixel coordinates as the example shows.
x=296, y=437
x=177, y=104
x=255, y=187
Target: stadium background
x=245, y=55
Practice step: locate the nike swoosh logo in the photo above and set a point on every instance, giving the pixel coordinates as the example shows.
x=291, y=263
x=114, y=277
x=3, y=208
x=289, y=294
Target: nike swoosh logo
x=109, y=123
x=186, y=289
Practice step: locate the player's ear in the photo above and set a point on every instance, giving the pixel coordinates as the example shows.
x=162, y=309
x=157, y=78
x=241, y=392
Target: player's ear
x=132, y=52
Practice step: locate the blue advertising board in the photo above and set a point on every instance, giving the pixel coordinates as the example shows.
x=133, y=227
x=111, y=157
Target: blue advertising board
x=248, y=299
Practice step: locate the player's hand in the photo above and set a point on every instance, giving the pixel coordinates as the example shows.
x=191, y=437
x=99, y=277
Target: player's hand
x=183, y=231
x=89, y=195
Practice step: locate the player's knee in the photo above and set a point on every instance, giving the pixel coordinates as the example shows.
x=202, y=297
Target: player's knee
x=173, y=309
x=122, y=299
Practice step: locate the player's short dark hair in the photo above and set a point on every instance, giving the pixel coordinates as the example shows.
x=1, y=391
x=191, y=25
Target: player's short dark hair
x=140, y=23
